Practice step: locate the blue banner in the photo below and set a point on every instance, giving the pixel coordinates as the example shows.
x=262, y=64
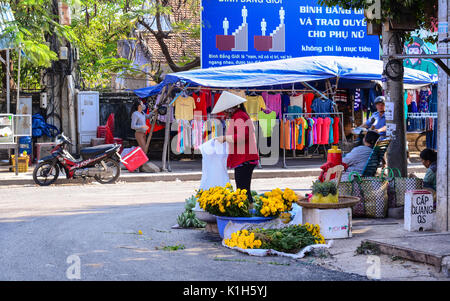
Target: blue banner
x=248, y=31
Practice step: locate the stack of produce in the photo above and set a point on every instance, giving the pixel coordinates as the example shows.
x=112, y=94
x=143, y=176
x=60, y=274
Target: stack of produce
x=324, y=192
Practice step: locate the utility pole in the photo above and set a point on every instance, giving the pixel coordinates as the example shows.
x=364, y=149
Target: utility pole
x=443, y=139
x=60, y=77
x=393, y=87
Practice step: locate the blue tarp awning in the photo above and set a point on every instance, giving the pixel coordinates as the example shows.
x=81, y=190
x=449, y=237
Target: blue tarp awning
x=285, y=73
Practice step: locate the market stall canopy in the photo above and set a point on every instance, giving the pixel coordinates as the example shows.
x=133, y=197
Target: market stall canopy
x=284, y=73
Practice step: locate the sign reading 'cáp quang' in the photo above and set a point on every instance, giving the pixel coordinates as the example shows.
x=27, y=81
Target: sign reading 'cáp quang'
x=248, y=31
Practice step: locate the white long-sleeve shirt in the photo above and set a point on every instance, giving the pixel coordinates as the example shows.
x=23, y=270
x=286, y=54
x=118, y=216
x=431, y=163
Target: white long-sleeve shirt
x=138, y=121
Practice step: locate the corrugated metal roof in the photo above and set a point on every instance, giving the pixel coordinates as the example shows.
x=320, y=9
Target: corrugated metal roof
x=6, y=17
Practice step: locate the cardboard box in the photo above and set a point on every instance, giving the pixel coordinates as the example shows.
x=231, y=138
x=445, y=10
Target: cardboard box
x=334, y=223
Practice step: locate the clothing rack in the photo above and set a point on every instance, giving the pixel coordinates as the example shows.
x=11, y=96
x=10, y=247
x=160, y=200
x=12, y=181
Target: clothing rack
x=422, y=115
x=308, y=115
x=421, y=122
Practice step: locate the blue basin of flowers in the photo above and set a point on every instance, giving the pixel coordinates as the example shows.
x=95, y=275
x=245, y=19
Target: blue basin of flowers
x=222, y=221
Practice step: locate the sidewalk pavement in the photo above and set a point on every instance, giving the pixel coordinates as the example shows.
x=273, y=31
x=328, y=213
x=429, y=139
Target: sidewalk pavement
x=391, y=253
x=191, y=170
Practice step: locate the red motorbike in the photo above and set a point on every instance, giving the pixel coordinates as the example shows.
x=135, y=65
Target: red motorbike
x=100, y=162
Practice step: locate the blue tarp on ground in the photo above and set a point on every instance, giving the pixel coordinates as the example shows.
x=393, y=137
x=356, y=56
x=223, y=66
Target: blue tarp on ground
x=283, y=73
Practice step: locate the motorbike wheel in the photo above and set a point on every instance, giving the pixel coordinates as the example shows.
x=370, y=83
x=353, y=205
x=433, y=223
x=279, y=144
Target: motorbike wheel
x=421, y=142
x=45, y=174
x=115, y=166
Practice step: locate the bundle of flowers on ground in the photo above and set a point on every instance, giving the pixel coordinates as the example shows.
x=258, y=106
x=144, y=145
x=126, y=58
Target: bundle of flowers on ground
x=275, y=202
x=224, y=201
x=243, y=239
x=290, y=239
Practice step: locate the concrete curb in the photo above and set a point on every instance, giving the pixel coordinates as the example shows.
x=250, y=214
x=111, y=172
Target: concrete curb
x=169, y=177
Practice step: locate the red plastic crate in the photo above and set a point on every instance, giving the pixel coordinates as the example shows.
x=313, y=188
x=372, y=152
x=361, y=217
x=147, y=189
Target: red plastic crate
x=101, y=131
x=135, y=159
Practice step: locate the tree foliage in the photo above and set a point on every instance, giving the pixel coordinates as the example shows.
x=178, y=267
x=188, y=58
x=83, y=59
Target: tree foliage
x=97, y=26
x=422, y=12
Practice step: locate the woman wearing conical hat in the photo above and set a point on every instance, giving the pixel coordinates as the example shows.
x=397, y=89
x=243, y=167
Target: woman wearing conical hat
x=240, y=135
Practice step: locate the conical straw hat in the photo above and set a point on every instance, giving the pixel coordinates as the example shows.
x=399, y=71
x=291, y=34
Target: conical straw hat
x=227, y=100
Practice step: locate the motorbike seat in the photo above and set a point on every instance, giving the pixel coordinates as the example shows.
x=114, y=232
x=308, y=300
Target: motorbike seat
x=90, y=152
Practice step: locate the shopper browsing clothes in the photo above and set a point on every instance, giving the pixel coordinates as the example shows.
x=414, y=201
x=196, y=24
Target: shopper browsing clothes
x=138, y=122
x=240, y=135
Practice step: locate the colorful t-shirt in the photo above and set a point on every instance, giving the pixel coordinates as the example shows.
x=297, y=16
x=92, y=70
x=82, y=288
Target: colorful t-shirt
x=315, y=131
x=200, y=105
x=273, y=103
x=308, y=99
x=319, y=124
x=267, y=122
x=336, y=130
x=184, y=108
x=285, y=103
x=325, y=130
x=331, y=134
x=297, y=101
x=311, y=132
x=254, y=105
x=322, y=106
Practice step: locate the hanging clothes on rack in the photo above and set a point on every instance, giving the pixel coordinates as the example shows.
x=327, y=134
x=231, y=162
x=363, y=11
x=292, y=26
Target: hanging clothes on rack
x=273, y=103
x=336, y=130
x=184, y=108
x=184, y=136
x=320, y=105
x=325, y=132
x=267, y=122
x=253, y=105
x=310, y=132
x=315, y=124
x=285, y=103
x=330, y=132
x=319, y=126
x=200, y=99
x=297, y=100
x=308, y=99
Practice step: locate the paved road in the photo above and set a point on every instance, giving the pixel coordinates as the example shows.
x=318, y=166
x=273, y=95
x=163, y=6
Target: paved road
x=45, y=230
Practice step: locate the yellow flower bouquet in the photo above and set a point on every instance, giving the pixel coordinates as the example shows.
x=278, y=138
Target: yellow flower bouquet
x=272, y=203
x=224, y=201
x=290, y=239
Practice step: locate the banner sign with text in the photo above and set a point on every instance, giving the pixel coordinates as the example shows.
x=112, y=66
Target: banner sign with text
x=248, y=31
